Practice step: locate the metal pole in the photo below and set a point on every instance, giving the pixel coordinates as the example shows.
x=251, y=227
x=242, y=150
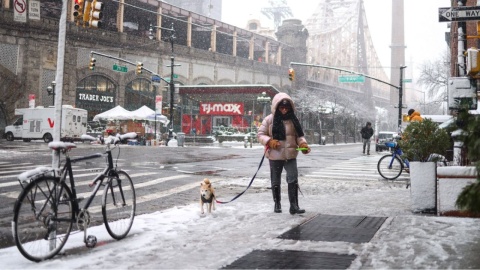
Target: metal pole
x=155, y=111
x=172, y=95
x=172, y=86
x=333, y=113
x=62, y=33
x=400, y=97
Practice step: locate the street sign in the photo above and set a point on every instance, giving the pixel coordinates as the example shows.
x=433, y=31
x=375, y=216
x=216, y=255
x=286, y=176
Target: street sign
x=351, y=79
x=156, y=78
x=449, y=14
x=407, y=80
x=175, y=76
x=119, y=68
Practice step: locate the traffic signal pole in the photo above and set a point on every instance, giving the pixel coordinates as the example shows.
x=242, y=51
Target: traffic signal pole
x=399, y=88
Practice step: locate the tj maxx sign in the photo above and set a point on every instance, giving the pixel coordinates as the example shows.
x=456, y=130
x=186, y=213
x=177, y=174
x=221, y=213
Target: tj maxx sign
x=221, y=108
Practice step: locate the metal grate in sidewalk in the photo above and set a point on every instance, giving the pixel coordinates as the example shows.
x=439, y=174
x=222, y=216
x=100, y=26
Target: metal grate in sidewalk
x=330, y=228
x=291, y=259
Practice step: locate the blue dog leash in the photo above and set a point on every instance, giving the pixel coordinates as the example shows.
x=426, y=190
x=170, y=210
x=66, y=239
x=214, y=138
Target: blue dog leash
x=251, y=181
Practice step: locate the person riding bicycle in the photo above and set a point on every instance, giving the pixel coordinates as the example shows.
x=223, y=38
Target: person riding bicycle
x=367, y=133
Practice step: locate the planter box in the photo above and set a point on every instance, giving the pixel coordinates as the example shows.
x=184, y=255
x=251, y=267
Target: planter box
x=423, y=187
x=451, y=181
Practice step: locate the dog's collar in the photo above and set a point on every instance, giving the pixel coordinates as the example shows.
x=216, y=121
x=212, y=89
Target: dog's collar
x=210, y=200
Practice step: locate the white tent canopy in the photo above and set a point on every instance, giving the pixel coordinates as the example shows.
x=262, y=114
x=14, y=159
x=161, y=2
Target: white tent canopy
x=119, y=113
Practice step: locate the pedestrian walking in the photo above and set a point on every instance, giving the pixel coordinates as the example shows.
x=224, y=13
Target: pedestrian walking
x=414, y=116
x=283, y=136
x=367, y=133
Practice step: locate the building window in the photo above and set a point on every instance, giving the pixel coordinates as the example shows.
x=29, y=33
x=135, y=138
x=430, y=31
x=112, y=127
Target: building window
x=139, y=92
x=95, y=94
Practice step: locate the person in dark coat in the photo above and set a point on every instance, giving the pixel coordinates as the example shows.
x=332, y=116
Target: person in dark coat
x=367, y=133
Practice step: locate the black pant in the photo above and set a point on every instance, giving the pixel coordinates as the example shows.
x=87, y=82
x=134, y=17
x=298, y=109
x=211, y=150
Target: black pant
x=276, y=168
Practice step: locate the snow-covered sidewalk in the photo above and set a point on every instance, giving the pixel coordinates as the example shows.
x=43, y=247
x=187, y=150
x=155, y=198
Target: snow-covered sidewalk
x=181, y=238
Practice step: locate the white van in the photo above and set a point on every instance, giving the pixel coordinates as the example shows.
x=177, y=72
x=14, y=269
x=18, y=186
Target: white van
x=37, y=123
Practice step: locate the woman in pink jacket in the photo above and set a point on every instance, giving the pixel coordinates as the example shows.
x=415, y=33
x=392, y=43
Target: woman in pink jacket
x=282, y=133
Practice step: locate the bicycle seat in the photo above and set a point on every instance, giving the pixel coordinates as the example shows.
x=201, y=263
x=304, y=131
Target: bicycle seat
x=61, y=145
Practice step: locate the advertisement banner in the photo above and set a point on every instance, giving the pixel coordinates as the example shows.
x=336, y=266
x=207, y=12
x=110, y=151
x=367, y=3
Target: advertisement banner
x=31, y=101
x=221, y=108
x=158, y=104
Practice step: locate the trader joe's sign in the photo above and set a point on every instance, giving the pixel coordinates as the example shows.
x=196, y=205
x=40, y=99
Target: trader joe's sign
x=221, y=108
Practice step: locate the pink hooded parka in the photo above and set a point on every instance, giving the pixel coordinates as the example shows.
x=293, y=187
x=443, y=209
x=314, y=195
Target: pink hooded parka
x=287, y=149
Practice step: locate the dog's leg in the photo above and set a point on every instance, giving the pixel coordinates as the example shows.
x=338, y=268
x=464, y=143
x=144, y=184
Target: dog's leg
x=213, y=204
x=201, y=207
x=209, y=207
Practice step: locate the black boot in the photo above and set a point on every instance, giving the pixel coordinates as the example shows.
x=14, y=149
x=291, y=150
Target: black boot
x=293, y=198
x=276, y=198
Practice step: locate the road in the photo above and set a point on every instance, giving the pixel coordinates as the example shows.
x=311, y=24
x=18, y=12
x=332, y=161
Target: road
x=165, y=177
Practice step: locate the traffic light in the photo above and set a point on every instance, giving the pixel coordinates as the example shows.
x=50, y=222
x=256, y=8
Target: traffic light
x=92, y=63
x=96, y=14
x=78, y=10
x=139, y=67
x=473, y=62
x=291, y=74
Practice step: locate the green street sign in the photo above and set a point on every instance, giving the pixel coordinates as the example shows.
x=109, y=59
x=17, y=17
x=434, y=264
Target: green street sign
x=119, y=68
x=351, y=79
x=407, y=80
x=167, y=79
x=175, y=76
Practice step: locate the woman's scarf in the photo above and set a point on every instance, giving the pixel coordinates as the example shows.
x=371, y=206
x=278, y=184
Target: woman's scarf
x=278, y=129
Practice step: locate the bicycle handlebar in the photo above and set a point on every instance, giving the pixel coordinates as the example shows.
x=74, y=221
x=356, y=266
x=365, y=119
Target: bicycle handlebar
x=111, y=139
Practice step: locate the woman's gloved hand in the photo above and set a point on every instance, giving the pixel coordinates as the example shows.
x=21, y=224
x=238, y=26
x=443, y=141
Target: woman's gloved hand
x=304, y=145
x=273, y=144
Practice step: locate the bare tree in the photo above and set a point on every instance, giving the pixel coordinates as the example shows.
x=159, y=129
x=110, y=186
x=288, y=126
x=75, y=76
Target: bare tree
x=434, y=76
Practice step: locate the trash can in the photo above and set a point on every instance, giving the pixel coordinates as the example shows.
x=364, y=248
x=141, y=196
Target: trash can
x=180, y=138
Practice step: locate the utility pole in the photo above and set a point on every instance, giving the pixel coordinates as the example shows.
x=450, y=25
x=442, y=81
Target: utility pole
x=400, y=97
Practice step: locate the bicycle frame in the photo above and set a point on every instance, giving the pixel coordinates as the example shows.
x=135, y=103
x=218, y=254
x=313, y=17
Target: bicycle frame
x=98, y=181
x=397, y=152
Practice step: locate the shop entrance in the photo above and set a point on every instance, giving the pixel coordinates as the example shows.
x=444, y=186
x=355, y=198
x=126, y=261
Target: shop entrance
x=224, y=121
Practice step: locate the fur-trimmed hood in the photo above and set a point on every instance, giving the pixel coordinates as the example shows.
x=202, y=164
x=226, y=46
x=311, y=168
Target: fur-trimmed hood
x=278, y=98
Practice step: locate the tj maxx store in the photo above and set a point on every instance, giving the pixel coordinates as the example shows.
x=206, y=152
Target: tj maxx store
x=205, y=108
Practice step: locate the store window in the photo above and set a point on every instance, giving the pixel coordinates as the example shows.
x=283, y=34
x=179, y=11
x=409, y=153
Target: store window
x=96, y=94
x=139, y=92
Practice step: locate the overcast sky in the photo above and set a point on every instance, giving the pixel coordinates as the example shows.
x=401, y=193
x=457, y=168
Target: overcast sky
x=424, y=34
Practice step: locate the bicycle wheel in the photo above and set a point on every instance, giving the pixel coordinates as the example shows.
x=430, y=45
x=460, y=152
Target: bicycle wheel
x=390, y=168
x=42, y=219
x=118, y=205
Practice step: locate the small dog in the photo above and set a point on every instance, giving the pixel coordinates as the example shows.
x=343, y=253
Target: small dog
x=207, y=195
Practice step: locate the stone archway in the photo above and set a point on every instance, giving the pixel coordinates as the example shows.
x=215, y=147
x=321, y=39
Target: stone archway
x=96, y=93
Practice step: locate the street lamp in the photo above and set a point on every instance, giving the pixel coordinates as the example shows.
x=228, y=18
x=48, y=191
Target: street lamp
x=264, y=99
x=171, y=39
x=51, y=91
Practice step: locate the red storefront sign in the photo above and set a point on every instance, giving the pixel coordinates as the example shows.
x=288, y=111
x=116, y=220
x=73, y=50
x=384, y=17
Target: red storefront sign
x=221, y=108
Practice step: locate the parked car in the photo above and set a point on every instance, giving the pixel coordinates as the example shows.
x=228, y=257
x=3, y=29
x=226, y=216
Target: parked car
x=382, y=138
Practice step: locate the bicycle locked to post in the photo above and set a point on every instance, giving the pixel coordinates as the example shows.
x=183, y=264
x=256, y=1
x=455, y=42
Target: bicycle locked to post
x=392, y=165
x=48, y=206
